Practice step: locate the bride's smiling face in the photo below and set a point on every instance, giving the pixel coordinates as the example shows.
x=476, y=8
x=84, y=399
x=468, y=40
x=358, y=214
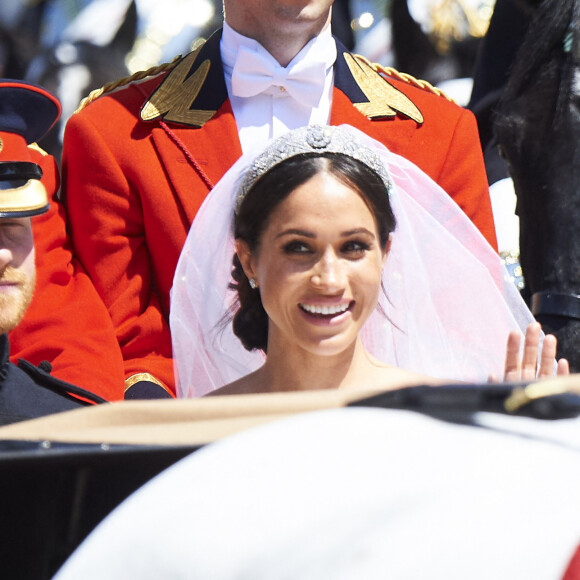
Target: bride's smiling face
x=318, y=266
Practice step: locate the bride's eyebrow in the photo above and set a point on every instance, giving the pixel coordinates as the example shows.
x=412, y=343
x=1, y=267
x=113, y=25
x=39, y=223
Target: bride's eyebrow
x=357, y=231
x=309, y=234
x=296, y=232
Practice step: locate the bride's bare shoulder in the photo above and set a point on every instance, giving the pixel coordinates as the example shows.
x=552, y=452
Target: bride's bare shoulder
x=393, y=378
x=384, y=377
x=242, y=386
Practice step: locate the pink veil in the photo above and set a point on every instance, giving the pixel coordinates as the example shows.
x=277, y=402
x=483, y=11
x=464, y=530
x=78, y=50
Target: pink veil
x=449, y=301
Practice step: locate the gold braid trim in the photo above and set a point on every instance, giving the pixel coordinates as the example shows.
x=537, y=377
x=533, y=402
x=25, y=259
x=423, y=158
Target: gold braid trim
x=138, y=76
x=144, y=377
x=405, y=77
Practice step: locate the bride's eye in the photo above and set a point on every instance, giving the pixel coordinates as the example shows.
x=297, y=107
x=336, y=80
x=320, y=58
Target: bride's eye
x=297, y=247
x=356, y=248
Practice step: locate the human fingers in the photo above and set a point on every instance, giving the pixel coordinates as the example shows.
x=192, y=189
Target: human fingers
x=563, y=367
x=547, y=357
x=512, y=358
x=530, y=354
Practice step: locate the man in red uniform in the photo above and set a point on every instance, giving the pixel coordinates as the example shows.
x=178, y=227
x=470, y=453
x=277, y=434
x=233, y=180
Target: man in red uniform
x=66, y=327
x=139, y=161
x=27, y=391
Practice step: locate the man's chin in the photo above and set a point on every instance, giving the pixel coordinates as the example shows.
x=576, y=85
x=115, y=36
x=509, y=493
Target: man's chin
x=12, y=310
x=8, y=323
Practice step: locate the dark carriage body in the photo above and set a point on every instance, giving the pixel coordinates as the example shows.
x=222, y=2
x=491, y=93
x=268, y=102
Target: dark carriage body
x=52, y=495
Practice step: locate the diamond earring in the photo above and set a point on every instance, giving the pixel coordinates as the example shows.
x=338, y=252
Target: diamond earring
x=253, y=284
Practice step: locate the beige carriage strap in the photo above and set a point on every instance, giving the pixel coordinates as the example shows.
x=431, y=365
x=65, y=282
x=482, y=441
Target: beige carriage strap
x=174, y=422
x=207, y=419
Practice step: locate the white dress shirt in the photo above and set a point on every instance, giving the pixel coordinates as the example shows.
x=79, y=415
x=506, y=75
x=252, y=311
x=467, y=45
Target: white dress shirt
x=275, y=111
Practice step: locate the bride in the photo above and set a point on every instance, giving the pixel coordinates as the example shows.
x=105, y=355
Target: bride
x=352, y=269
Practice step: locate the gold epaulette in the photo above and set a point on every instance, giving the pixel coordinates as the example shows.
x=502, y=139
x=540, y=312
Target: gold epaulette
x=407, y=78
x=138, y=76
x=36, y=147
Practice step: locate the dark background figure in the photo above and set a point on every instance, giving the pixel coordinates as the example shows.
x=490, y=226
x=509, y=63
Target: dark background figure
x=20, y=26
x=341, y=23
x=71, y=69
x=537, y=127
x=447, y=52
x=67, y=69
x=507, y=28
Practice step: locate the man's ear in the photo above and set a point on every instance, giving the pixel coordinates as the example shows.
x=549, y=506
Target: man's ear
x=387, y=248
x=245, y=256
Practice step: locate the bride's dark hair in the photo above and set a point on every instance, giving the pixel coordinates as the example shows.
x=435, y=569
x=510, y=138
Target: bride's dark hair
x=250, y=321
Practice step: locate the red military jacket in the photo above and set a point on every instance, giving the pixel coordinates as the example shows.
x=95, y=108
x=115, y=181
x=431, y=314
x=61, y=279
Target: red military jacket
x=66, y=323
x=139, y=161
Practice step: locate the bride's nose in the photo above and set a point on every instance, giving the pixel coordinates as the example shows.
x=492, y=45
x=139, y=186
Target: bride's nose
x=328, y=273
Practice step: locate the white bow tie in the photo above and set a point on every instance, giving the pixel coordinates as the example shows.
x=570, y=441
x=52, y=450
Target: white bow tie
x=253, y=74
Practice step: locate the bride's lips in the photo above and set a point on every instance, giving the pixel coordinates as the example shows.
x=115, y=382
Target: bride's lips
x=326, y=312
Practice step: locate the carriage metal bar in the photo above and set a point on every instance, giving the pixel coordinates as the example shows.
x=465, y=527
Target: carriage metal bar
x=512, y=399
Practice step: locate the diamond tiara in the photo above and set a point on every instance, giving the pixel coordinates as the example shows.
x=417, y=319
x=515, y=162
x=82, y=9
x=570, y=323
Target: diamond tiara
x=311, y=139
